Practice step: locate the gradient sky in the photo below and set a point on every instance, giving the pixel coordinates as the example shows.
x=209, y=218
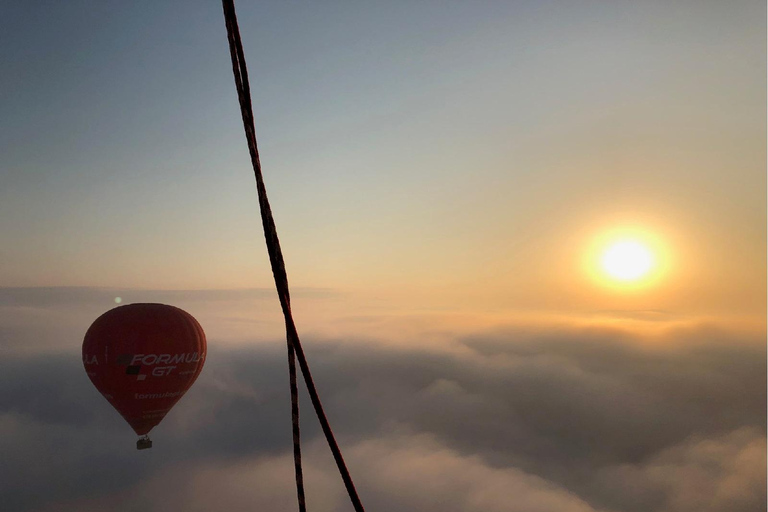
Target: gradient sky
x=443, y=176
x=452, y=149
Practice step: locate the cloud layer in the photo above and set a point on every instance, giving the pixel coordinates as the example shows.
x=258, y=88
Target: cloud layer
x=516, y=420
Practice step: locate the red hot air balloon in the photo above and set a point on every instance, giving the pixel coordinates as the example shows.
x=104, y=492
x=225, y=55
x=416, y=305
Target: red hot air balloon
x=143, y=358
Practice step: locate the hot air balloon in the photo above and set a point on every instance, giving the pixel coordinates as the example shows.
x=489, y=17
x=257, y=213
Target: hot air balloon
x=143, y=358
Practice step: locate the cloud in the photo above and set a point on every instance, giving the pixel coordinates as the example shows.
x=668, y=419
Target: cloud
x=40, y=297
x=700, y=474
x=401, y=472
x=521, y=419
x=415, y=472
x=42, y=320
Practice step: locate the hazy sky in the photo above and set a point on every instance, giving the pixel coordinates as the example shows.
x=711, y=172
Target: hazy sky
x=473, y=147
x=445, y=177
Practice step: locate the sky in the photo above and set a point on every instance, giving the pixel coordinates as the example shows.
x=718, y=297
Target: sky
x=446, y=180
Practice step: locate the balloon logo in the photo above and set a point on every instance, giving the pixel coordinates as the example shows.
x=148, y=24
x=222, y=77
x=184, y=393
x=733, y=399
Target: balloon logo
x=143, y=358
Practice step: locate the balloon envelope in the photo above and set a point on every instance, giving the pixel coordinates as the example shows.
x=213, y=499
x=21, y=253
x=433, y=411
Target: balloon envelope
x=143, y=358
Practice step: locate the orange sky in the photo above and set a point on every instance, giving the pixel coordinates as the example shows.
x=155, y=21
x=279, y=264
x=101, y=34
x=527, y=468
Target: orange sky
x=467, y=170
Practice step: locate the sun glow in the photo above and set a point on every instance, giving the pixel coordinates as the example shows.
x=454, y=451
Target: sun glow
x=627, y=260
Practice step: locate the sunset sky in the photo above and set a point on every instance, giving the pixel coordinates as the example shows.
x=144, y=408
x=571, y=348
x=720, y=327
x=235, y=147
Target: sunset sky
x=448, y=180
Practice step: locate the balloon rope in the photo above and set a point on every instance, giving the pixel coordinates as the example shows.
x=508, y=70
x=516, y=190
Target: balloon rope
x=295, y=428
x=278, y=271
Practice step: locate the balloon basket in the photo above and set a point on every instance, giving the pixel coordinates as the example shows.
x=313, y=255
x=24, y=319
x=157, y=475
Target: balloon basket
x=143, y=443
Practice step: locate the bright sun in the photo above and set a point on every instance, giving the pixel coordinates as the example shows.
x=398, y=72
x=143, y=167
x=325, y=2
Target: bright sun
x=627, y=260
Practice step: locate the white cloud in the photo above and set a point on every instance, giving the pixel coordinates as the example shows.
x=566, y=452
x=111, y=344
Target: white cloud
x=414, y=472
x=717, y=474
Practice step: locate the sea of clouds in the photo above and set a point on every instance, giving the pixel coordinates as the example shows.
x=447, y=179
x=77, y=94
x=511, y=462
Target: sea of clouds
x=513, y=419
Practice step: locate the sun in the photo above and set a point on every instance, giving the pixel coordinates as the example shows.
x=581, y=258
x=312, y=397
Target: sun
x=627, y=260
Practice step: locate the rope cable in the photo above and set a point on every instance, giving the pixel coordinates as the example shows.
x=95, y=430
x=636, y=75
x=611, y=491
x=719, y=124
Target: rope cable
x=295, y=350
